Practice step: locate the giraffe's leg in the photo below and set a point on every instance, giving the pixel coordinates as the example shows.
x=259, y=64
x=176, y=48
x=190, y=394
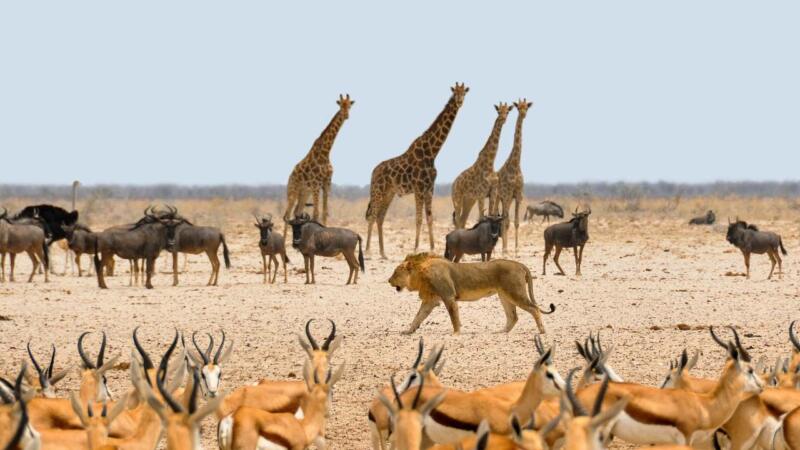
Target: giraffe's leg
x=504, y=228
x=517, y=204
x=456, y=210
x=291, y=200
x=429, y=216
x=465, y=210
x=481, y=210
x=325, y=191
x=419, y=203
x=384, y=208
x=315, y=200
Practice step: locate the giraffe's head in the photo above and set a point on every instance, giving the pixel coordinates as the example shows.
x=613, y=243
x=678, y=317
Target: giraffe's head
x=459, y=92
x=345, y=103
x=503, y=109
x=522, y=106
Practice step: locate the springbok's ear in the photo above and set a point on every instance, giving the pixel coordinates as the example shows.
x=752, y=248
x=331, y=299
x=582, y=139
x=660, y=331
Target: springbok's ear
x=77, y=408
x=226, y=354
x=431, y=404
x=337, y=341
x=609, y=414
x=390, y=408
x=338, y=374
x=306, y=346
x=121, y=405
x=483, y=436
x=516, y=427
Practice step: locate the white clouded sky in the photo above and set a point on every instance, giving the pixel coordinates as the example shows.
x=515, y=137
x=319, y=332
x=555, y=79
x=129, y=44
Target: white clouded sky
x=201, y=92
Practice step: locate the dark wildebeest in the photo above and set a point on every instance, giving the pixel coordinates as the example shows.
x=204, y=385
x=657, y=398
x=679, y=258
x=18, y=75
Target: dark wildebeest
x=480, y=239
x=145, y=240
x=22, y=235
x=708, y=219
x=80, y=239
x=185, y=237
x=544, y=209
x=749, y=240
x=312, y=238
x=572, y=234
x=271, y=244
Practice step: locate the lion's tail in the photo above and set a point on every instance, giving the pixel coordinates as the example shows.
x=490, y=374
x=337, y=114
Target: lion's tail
x=532, y=299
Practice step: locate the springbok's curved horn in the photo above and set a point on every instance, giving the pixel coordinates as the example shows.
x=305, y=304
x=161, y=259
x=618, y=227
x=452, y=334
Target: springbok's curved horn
x=327, y=343
x=311, y=340
x=87, y=363
x=200, y=351
x=793, y=337
x=420, y=350
x=394, y=390
x=419, y=391
x=39, y=371
x=716, y=338
x=577, y=407
x=102, y=353
x=147, y=363
x=162, y=375
x=742, y=351
x=219, y=350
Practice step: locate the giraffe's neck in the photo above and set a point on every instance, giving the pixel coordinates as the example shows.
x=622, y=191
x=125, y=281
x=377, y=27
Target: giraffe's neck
x=324, y=143
x=516, y=150
x=428, y=145
x=487, y=155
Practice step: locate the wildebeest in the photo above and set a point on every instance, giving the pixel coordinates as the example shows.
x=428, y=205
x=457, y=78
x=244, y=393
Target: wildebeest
x=544, y=209
x=80, y=239
x=17, y=236
x=145, y=240
x=271, y=244
x=572, y=234
x=480, y=239
x=708, y=219
x=749, y=239
x=185, y=237
x=311, y=238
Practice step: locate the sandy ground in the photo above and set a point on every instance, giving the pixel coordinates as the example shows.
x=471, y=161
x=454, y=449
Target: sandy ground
x=641, y=278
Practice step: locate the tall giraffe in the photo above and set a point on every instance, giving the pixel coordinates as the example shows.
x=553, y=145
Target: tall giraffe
x=510, y=181
x=413, y=171
x=476, y=182
x=314, y=172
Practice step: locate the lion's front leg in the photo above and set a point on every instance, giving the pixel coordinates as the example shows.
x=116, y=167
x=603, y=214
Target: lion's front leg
x=424, y=311
x=452, y=309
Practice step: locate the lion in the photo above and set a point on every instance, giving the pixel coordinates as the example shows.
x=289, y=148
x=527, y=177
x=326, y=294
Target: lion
x=439, y=280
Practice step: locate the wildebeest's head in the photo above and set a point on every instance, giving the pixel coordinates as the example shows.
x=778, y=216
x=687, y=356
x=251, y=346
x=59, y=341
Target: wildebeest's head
x=495, y=225
x=581, y=219
x=735, y=230
x=345, y=103
x=297, y=227
x=264, y=226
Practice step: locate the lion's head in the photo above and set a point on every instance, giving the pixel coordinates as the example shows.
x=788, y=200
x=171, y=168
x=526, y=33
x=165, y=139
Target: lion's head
x=405, y=273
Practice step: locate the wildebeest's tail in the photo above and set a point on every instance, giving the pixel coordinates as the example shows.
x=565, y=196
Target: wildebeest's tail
x=360, y=256
x=46, y=255
x=529, y=280
x=447, y=253
x=225, y=254
x=783, y=249
x=97, y=266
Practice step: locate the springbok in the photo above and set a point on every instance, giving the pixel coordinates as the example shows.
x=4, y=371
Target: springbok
x=585, y=431
x=210, y=367
x=94, y=386
x=45, y=380
x=408, y=418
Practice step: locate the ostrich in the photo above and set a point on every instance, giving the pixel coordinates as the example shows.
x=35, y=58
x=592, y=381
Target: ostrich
x=64, y=244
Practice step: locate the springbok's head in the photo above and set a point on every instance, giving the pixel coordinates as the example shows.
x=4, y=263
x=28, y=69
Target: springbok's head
x=408, y=417
x=45, y=380
x=210, y=367
x=93, y=373
x=678, y=369
x=544, y=372
x=345, y=103
x=740, y=372
x=584, y=430
x=428, y=369
x=320, y=355
x=459, y=92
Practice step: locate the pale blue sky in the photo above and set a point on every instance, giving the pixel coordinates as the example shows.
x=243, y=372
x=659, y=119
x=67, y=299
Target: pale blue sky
x=198, y=92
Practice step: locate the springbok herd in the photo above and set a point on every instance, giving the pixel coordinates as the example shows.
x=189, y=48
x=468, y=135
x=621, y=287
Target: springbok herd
x=750, y=404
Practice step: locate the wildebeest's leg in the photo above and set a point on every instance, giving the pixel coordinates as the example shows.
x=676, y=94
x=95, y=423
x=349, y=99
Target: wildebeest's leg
x=78, y=264
x=265, y=266
x=352, y=263
x=308, y=271
x=347, y=258
x=780, y=263
x=13, y=258
x=580, y=258
x=131, y=272
x=577, y=261
x=285, y=269
x=150, y=263
x=511, y=313
x=555, y=259
x=35, y=263
x=311, y=263
x=425, y=309
x=2, y=267
x=273, y=259
x=429, y=215
x=747, y=263
x=174, y=268
x=547, y=248
x=772, y=261
x=215, y=265
x=458, y=257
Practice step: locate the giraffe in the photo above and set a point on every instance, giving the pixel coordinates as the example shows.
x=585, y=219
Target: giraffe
x=475, y=183
x=314, y=172
x=412, y=172
x=510, y=181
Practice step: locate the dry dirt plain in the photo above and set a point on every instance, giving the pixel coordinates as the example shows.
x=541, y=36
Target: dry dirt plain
x=645, y=272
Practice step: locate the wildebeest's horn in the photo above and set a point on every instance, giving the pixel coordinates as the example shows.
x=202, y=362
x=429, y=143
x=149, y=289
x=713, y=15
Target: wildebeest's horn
x=5, y=213
x=258, y=220
x=793, y=337
x=329, y=339
x=87, y=363
x=311, y=339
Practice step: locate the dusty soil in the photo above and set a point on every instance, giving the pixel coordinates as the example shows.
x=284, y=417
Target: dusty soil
x=643, y=276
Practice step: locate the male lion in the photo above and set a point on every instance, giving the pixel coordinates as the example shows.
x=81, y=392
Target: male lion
x=438, y=279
